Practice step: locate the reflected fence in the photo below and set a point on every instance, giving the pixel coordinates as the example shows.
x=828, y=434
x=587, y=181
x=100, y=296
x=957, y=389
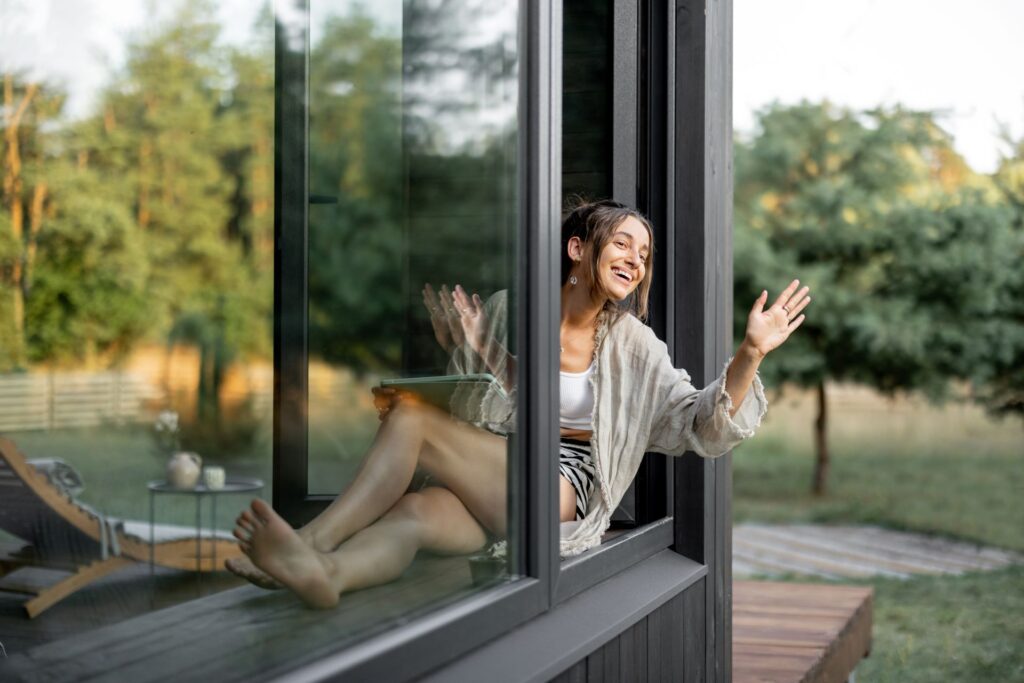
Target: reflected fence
x=73, y=399
x=57, y=400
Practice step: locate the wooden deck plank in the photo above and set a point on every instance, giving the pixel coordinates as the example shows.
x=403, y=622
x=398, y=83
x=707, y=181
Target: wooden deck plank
x=258, y=633
x=796, y=632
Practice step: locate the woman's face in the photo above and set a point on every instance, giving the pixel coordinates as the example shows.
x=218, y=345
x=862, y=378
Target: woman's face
x=623, y=261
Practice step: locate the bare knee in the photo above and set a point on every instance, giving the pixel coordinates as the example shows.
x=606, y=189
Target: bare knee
x=407, y=416
x=437, y=525
x=412, y=507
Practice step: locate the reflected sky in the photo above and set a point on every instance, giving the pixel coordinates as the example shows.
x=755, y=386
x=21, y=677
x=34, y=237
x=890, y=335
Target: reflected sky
x=77, y=44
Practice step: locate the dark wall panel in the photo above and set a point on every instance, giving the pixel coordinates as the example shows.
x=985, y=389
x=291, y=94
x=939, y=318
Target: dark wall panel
x=667, y=645
x=587, y=99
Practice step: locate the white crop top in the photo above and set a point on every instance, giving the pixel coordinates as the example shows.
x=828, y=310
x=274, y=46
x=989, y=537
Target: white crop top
x=576, y=399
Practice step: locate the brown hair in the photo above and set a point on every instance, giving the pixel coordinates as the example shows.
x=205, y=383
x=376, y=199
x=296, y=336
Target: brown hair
x=594, y=223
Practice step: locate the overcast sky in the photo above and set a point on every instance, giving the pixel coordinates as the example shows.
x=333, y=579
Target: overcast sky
x=965, y=60
x=961, y=59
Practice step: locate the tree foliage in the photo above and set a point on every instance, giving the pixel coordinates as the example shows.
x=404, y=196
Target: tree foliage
x=909, y=254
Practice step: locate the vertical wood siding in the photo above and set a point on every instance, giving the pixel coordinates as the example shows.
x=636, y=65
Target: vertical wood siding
x=666, y=645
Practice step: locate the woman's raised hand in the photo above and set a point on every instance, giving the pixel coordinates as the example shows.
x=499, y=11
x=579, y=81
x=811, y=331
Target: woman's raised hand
x=768, y=329
x=473, y=318
x=443, y=318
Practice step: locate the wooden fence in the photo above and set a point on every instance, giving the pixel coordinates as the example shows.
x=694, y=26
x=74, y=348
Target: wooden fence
x=57, y=400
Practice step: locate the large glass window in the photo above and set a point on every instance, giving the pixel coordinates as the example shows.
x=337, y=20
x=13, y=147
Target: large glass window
x=137, y=287
x=136, y=301
x=403, y=119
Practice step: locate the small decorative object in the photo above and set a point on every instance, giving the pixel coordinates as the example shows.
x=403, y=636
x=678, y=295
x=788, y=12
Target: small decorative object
x=167, y=433
x=214, y=477
x=489, y=565
x=183, y=470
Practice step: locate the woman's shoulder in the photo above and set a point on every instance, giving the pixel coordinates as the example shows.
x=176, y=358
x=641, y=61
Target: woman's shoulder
x=629, y=330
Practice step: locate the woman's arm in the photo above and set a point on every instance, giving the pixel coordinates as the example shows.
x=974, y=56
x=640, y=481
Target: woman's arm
x=740, y=374
x=477, y=330
x=766, y=331
x=502, y=365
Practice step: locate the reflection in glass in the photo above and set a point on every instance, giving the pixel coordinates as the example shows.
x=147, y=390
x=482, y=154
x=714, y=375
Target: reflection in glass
x=136, y=276
x=137, y=247
x=412, y=139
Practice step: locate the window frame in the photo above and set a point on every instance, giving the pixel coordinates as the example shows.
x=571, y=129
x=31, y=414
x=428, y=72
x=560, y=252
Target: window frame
x=437, y=637
x=681, y=189
x=643, y=41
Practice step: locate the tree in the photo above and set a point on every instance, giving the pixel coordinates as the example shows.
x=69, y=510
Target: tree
x=999, y=383
x=28, y=108
x=903, y=246
x=355, y=159
x=88, y=295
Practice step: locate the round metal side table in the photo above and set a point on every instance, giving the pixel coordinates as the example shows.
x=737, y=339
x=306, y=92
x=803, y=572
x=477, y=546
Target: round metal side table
x=199, y=491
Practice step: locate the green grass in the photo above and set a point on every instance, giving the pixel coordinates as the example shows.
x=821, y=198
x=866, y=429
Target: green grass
x=948, y=628
x=950, y=473
x=975, y=496
x=116, y=463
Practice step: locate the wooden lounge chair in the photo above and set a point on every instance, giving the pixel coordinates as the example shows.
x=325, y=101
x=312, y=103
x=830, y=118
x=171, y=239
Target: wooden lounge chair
x=65, y=534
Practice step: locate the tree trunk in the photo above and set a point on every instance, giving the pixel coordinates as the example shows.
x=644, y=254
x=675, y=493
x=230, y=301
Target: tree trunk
x=819, y=485
x=35, y=223
x=142, y=215
x=12, y=191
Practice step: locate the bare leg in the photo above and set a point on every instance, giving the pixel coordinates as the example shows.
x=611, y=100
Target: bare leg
x=434, y=519
x=470, y=461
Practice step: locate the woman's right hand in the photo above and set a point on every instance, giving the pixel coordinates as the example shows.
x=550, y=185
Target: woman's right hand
x=443, y=318
x=384, y=399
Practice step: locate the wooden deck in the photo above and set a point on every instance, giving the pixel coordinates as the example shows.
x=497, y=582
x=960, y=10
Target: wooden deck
x=795, y=632
x=240, y=634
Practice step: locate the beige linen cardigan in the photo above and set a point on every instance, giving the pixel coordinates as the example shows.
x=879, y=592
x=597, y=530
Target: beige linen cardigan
x=641, y=403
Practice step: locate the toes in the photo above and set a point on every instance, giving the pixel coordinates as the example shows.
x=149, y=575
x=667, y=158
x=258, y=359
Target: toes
x=252, y=519
x=263, y=512
x=244, y=539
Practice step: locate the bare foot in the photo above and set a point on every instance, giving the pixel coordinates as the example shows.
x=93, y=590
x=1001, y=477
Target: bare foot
x=243, y=566
x=278, y=550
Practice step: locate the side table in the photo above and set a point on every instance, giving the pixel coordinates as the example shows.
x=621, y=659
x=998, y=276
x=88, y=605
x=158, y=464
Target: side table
x=200, y=491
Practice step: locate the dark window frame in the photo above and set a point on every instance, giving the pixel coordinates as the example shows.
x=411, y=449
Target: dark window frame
x=451, y=630
x=681, y=189
x=642, y=123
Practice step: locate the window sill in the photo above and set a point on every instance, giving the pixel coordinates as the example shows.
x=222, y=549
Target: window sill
x=611, y=557
x=569, y=632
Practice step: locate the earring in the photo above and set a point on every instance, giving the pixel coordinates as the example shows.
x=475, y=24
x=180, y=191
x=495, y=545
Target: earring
x=573, y=280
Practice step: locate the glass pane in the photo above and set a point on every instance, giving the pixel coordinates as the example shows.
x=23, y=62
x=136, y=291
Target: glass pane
x=136, y=296
x=412, y=144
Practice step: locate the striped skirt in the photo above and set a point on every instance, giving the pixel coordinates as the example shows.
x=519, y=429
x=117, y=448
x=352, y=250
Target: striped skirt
x=577, y=466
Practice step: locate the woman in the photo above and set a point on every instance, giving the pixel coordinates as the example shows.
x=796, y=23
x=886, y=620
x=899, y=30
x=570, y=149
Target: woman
x=620, y=397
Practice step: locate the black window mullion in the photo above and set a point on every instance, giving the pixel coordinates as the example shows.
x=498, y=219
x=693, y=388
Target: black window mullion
x=291, y=191
x=540, y=267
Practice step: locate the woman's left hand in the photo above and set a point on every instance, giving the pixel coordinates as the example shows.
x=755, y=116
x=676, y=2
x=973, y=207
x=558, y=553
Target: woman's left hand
x=473, y=318
x=768, y=329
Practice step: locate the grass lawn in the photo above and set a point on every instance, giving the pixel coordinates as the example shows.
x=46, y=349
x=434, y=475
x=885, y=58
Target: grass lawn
x=948, y=628
x=908, y=466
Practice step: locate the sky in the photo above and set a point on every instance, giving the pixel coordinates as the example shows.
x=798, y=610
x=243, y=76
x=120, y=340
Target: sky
x=962, y=60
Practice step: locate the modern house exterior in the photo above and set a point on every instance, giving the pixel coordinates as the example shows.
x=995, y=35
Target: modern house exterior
x=438, y=142
x=627, y=100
